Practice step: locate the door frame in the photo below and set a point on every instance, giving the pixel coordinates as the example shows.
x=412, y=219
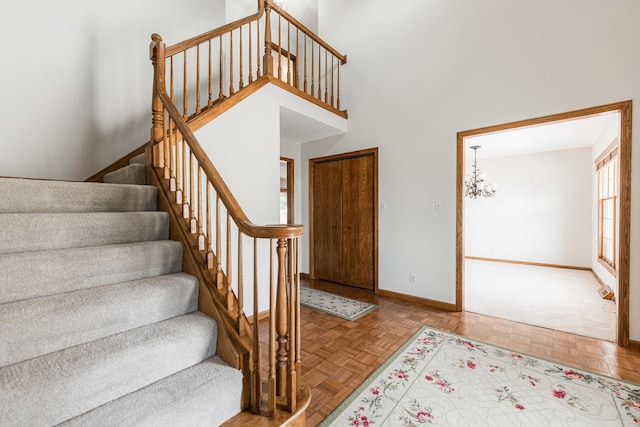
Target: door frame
x=291, y=214
x=625, y=110
x=365, y=152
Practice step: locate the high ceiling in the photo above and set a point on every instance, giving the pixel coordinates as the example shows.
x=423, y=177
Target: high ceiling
x=561, y=135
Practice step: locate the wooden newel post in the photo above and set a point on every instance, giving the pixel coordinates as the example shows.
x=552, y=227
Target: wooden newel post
x=282, y=353
x=268, y=57
x=156, y=53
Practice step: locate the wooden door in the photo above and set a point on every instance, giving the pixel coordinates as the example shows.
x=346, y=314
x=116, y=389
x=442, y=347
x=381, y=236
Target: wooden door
x=344, y=237
x=327, y=220
x=358, y=221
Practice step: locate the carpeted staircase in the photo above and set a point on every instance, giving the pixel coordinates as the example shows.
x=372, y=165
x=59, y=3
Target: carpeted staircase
x=98, y=325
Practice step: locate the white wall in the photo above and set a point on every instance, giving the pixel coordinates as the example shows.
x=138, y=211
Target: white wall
x=541, y=212
x=421, y=71
x=75, y=80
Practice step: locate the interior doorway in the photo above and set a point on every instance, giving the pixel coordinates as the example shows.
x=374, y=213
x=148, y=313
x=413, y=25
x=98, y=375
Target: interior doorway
x=343, y=219
x=624, y=110
x=287, y=206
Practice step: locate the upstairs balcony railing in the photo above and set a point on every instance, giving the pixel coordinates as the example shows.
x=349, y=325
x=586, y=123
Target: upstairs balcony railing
x=207, y=69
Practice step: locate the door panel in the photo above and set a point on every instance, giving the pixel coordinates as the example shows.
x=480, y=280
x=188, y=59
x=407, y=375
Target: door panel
x=327, y=219
x=358, y=222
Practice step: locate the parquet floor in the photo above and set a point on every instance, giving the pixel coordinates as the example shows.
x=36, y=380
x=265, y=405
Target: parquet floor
x=338, y=355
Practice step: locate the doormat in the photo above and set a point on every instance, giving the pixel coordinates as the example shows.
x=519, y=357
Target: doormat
x=337, y=305
x=448, y=380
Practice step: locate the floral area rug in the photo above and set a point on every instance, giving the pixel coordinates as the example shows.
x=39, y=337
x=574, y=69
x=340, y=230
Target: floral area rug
x=326, y=302
x=447, y=380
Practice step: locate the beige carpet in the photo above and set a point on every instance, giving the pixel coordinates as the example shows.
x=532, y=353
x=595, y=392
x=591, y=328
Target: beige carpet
x=556, y=298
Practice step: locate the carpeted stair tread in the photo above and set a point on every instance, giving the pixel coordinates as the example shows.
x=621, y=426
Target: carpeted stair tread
x=134, y=173
x=28, y=274
x=59, y=386
x=37, y=326
x=206, y=394
x=139, y=159
x=38, y=232
x=30, y=196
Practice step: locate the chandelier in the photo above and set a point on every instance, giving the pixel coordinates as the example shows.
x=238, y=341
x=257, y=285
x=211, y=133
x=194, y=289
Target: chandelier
x=474, y=185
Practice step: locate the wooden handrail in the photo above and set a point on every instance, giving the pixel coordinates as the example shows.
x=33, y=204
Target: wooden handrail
x=217, y=32
x=308, y=32
x=277, y=231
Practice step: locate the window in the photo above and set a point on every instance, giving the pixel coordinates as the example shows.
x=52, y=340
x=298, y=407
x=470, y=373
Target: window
x=607, y=170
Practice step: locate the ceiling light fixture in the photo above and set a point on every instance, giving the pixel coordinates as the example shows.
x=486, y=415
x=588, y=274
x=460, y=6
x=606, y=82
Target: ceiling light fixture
x=281, y=4
x=474, y=185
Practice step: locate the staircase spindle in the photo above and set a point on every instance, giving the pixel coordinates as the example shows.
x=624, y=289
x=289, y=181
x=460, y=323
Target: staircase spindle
x=219, y=274
x=231, y=87
x=209, y=240
x=221, y=94
x=326, y=75
x=312, y=70
x=198, y=108
x=292, y=386
x=185, y=113
x=305, y=63
x=241, y=81
x=229, y=294
x=259, y=70
x=256, y=387
x=289, y=81
x=185, y=186
x=338, y=100
x=210, y=80
x=279, y=46
x=201, y=210
x=250, y=54
x=319, y=73
x=271, y=382
x=281, y=320
x=240, y=295
x=332, y=85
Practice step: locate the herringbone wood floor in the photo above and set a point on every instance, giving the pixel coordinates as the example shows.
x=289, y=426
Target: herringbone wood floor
x=338, y=355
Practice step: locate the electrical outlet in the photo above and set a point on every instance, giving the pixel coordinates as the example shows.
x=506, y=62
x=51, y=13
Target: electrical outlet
x=412, y=278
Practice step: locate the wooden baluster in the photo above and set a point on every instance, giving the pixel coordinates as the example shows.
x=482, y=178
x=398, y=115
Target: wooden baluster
x=174, y=162
x=221, y=95
x=326, y=76
x=219, y=273
x=259, y=71
x=332, y=85
x=312, y=70
x=296, y=72
x=209, y=219
x=289, y=81
x=240, y=285
x=185, y=113
x=192, y=197
x=319, y=74
x=256, y=379
x=281, y=320
x=250, y=53
x=157, y=131
x=166, y=145
x=172, y=92
x=198, y=108
x=241, y=82
x=179, y=142
x=231, y=88
x=292, y=385
x=210, y=81
x=305, y=63
x=268, y=58
x=279, y=47
x=271, y=382
x=201, y=209
x=185, y=187
x=229, y=294
x=298, y=340
x=338, y=100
